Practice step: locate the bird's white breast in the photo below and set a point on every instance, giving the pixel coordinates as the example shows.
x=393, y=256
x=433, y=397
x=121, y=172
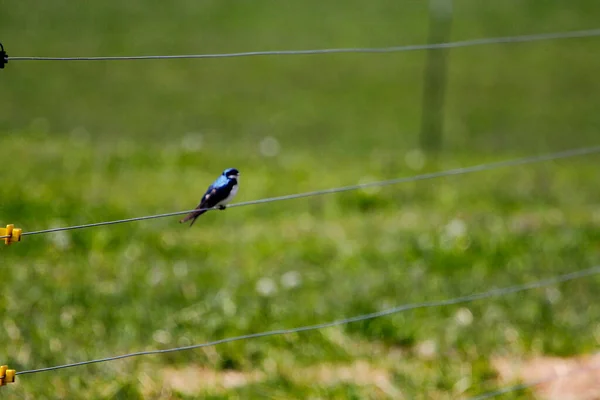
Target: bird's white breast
x=232, y=194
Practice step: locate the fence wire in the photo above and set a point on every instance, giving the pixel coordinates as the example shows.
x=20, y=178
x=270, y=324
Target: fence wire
x=394, y=49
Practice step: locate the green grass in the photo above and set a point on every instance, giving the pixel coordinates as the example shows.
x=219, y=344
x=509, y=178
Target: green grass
x=87, y=142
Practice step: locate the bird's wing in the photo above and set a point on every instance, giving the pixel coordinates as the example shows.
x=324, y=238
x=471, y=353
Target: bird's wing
x=209, y=199
x=218, y=191
x=215, y=193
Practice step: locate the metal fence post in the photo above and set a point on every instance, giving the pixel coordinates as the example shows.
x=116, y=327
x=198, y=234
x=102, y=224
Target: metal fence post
x=435, y=76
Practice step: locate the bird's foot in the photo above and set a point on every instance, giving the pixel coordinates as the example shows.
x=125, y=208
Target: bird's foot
x=221, y=207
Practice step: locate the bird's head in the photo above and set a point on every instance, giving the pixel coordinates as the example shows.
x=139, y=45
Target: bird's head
x=231, y=173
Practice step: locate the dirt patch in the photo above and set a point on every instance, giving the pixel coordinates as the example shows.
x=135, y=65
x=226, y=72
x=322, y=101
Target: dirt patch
x=360, y=373
x=560, y=378
x=195, y=380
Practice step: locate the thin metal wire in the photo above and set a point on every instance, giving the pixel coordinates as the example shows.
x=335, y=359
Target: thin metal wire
x=439, y=174
x=428, y=304
x=394, y=49
x=525, y=386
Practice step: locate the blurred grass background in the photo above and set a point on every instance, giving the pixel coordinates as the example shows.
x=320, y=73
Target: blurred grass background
x=93, y=141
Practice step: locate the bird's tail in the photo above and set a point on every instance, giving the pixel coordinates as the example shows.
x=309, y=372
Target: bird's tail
x=192, y=216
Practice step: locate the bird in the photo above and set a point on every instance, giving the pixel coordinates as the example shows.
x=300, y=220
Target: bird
x=222, y=190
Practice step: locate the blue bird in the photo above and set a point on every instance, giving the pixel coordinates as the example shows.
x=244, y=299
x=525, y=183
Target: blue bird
x=217, y=195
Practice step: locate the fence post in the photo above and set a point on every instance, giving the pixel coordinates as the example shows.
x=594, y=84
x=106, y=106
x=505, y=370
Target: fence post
x=435, y=76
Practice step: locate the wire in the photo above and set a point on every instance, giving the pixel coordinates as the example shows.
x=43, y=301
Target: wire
x=428, y=304
x=524, y=386
x=432, y=175
x=394, y=49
